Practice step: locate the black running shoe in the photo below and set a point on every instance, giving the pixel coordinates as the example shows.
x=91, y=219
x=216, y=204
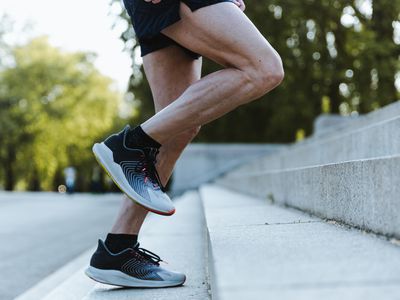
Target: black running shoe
x=132, y=267
x=134, y=172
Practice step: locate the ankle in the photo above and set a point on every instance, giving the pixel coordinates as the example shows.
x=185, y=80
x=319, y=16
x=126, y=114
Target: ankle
x=138, y=137
x=117, y=242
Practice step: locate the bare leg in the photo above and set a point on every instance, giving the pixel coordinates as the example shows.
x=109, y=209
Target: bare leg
x=169, y=71
x=224, y=34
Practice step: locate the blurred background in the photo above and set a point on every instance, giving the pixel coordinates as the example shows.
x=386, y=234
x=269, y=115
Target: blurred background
x=71, y=73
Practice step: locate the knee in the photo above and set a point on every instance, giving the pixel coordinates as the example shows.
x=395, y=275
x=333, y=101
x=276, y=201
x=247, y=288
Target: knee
x=266, y=74
x=272, y=74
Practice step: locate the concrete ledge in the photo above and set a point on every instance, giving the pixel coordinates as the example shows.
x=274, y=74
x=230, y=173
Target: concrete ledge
x=388, y=112
x=262, y=251
x=325, y=123
x=201, y=163
x=363, y=193
x=377, y=140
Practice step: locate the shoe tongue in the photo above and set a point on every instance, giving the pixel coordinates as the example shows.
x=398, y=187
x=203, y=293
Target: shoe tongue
x=151, y=152
x=151, y=156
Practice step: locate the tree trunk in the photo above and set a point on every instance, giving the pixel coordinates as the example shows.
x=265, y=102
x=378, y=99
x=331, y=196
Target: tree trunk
x=34, y=183
x=384, y=13
x=9, y=169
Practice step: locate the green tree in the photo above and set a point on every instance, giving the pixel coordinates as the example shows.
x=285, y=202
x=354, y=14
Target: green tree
x=54, y=105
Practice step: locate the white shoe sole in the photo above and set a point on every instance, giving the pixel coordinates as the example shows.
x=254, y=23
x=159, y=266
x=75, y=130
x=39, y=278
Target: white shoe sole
x=105, y=158
x=114, y=277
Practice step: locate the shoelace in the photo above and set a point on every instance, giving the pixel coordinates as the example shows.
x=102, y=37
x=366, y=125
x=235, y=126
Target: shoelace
x=148, y=255
x=150, y=168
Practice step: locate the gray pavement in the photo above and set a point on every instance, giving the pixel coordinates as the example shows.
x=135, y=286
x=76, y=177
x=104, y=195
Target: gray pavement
x=285, y=254
x=40, y=232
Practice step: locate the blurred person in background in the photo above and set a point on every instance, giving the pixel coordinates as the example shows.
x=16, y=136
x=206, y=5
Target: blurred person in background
x=70, y=177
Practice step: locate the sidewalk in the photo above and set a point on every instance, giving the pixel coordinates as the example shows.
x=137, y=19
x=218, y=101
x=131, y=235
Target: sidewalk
x=40, y=232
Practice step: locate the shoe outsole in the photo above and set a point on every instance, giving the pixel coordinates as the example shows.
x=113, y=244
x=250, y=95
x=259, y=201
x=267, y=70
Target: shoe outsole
x=117, y=278
x=95, y=150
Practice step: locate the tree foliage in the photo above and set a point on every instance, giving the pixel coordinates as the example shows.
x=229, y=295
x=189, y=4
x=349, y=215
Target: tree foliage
x=53, y=106
x=340, y=56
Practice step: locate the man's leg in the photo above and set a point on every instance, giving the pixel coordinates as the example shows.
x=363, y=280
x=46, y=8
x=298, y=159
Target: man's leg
x=170, y=72
x=224, y=34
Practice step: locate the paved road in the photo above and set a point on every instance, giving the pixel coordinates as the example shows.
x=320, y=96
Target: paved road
x=40, y=232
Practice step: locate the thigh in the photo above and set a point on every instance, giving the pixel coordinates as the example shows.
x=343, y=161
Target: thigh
x=170, y=71
x=223, y=33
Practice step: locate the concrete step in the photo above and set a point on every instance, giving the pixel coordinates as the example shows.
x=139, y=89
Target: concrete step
x=361, y=193
x=261, y=251
x=202, y=163
x=375, y=140
x=388, y=112
x=179, y=239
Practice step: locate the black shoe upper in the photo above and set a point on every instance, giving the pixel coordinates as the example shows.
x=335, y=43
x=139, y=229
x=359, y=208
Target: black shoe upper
x=136, y=163
x=137, y=262
x=116, y=143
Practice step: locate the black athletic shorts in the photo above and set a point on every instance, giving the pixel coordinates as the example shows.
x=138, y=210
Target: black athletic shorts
x=149, y=19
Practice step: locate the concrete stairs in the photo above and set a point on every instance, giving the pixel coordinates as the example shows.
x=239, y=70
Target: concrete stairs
x=350, y=174
x=262, y=251
x=307, y=246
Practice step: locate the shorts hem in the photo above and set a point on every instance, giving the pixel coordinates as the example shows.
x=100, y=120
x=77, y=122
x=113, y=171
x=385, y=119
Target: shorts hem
x=149, y=27
x=193, y=8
